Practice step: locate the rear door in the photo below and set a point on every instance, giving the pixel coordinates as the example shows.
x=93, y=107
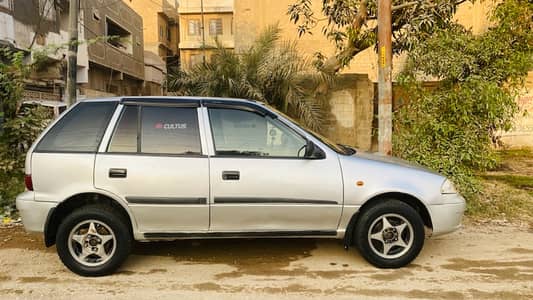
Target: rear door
x=154, y=160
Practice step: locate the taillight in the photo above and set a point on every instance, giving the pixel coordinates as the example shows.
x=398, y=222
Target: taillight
x=28, y=182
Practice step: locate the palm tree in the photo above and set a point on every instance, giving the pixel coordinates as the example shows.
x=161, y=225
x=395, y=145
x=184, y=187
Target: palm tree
x=271, y=71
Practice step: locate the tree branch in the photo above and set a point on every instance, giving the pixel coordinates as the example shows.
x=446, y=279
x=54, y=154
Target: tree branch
x=334, y=63
x=408, y=4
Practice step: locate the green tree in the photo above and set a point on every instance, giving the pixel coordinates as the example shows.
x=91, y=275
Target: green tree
x=20, y=127
x=351, y=25
x=271, y=71
x=453, y=127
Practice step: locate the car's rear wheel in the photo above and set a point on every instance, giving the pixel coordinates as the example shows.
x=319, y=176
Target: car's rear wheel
x=389, y=234
x=93, y=241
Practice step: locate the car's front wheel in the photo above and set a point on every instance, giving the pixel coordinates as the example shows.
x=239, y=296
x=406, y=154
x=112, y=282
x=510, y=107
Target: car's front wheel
x=93, y=241
x=389, y=234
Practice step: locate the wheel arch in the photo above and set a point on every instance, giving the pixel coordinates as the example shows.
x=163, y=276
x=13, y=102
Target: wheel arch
x=65, y=207
x=409, y=199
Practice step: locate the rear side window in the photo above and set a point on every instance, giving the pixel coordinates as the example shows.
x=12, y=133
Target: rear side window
x=81, y=130
x=162, y=130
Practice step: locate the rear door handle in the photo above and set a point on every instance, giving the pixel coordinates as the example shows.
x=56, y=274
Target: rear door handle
x=118, y=173
x=231, y=175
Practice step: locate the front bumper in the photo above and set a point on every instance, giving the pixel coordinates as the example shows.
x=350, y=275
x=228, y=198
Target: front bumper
x=446, y=217
x=33, y=213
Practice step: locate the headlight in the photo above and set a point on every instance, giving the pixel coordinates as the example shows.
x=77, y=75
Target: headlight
x=447, y=187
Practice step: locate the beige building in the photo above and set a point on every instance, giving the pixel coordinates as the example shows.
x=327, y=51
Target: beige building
x=161, y=36
x=160, y=27
x=202, y=23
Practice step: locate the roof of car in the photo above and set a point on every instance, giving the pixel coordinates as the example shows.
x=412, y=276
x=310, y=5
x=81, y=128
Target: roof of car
x=191, y=101
x=168, y=99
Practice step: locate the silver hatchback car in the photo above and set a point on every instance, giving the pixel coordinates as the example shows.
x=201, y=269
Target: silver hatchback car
x=110, y=171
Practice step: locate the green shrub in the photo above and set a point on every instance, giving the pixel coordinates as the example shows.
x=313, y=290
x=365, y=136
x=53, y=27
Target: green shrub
x=20, y=127
x=454, y=127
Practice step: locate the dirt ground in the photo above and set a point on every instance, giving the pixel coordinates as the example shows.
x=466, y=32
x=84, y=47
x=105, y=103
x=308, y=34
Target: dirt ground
x=476, y=262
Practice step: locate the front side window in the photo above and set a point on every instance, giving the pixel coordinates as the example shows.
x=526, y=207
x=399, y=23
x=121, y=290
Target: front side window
x=160, y=130
x=244, y=133
x=80, y=130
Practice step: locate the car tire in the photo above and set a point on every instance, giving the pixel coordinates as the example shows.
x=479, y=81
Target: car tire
x=93, y=240
x=389, y=234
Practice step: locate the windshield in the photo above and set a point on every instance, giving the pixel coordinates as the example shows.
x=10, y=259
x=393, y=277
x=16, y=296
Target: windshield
x=341, y=149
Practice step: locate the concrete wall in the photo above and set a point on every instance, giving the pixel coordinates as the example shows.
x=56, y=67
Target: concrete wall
x=522, y=133
x=350, y=111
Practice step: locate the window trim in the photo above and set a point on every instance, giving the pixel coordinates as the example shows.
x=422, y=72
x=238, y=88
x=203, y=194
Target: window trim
x=250, y=110
x=140, y=106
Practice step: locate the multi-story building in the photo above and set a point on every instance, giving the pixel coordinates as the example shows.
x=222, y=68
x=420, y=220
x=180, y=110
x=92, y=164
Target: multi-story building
x=202, y=23
x=116, y=62
x=161, y=37
x=41, y=27
x=110, y=54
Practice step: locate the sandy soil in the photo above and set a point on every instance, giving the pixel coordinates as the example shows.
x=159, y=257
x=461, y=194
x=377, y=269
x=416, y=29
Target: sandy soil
x=477, y=262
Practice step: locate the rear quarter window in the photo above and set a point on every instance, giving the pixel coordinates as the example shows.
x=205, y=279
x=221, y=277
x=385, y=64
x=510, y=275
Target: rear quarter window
x=80, y=130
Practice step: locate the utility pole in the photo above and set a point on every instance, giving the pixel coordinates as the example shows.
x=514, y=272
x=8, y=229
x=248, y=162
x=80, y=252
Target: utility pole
x=203, y=29
x=384, y=77
x=72, y=52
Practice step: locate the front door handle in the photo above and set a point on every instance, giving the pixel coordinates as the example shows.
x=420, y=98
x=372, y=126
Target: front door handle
x=231, y=175
x=118, y=173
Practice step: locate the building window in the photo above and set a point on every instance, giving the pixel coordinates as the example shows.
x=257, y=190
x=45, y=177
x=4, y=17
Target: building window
x=194, y=27
x=118, y=37
x=215, y=27
x=169, y=33
x=195, y=59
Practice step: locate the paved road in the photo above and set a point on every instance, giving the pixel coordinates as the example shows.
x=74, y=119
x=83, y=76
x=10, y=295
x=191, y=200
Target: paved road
x=477, y=262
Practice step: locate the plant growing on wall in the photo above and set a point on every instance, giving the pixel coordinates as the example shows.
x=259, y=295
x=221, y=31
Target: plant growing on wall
x=270, y=71
x=452, y=128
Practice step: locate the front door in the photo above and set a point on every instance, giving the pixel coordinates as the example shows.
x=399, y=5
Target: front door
x=260, y=181
x=154, y=160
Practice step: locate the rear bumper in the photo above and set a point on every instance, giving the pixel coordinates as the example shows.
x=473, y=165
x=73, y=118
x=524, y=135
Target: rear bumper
x=447, y=217
x=33, y=213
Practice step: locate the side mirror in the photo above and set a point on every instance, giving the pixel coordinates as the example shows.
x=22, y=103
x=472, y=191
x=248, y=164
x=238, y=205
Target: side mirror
x=313, y=152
